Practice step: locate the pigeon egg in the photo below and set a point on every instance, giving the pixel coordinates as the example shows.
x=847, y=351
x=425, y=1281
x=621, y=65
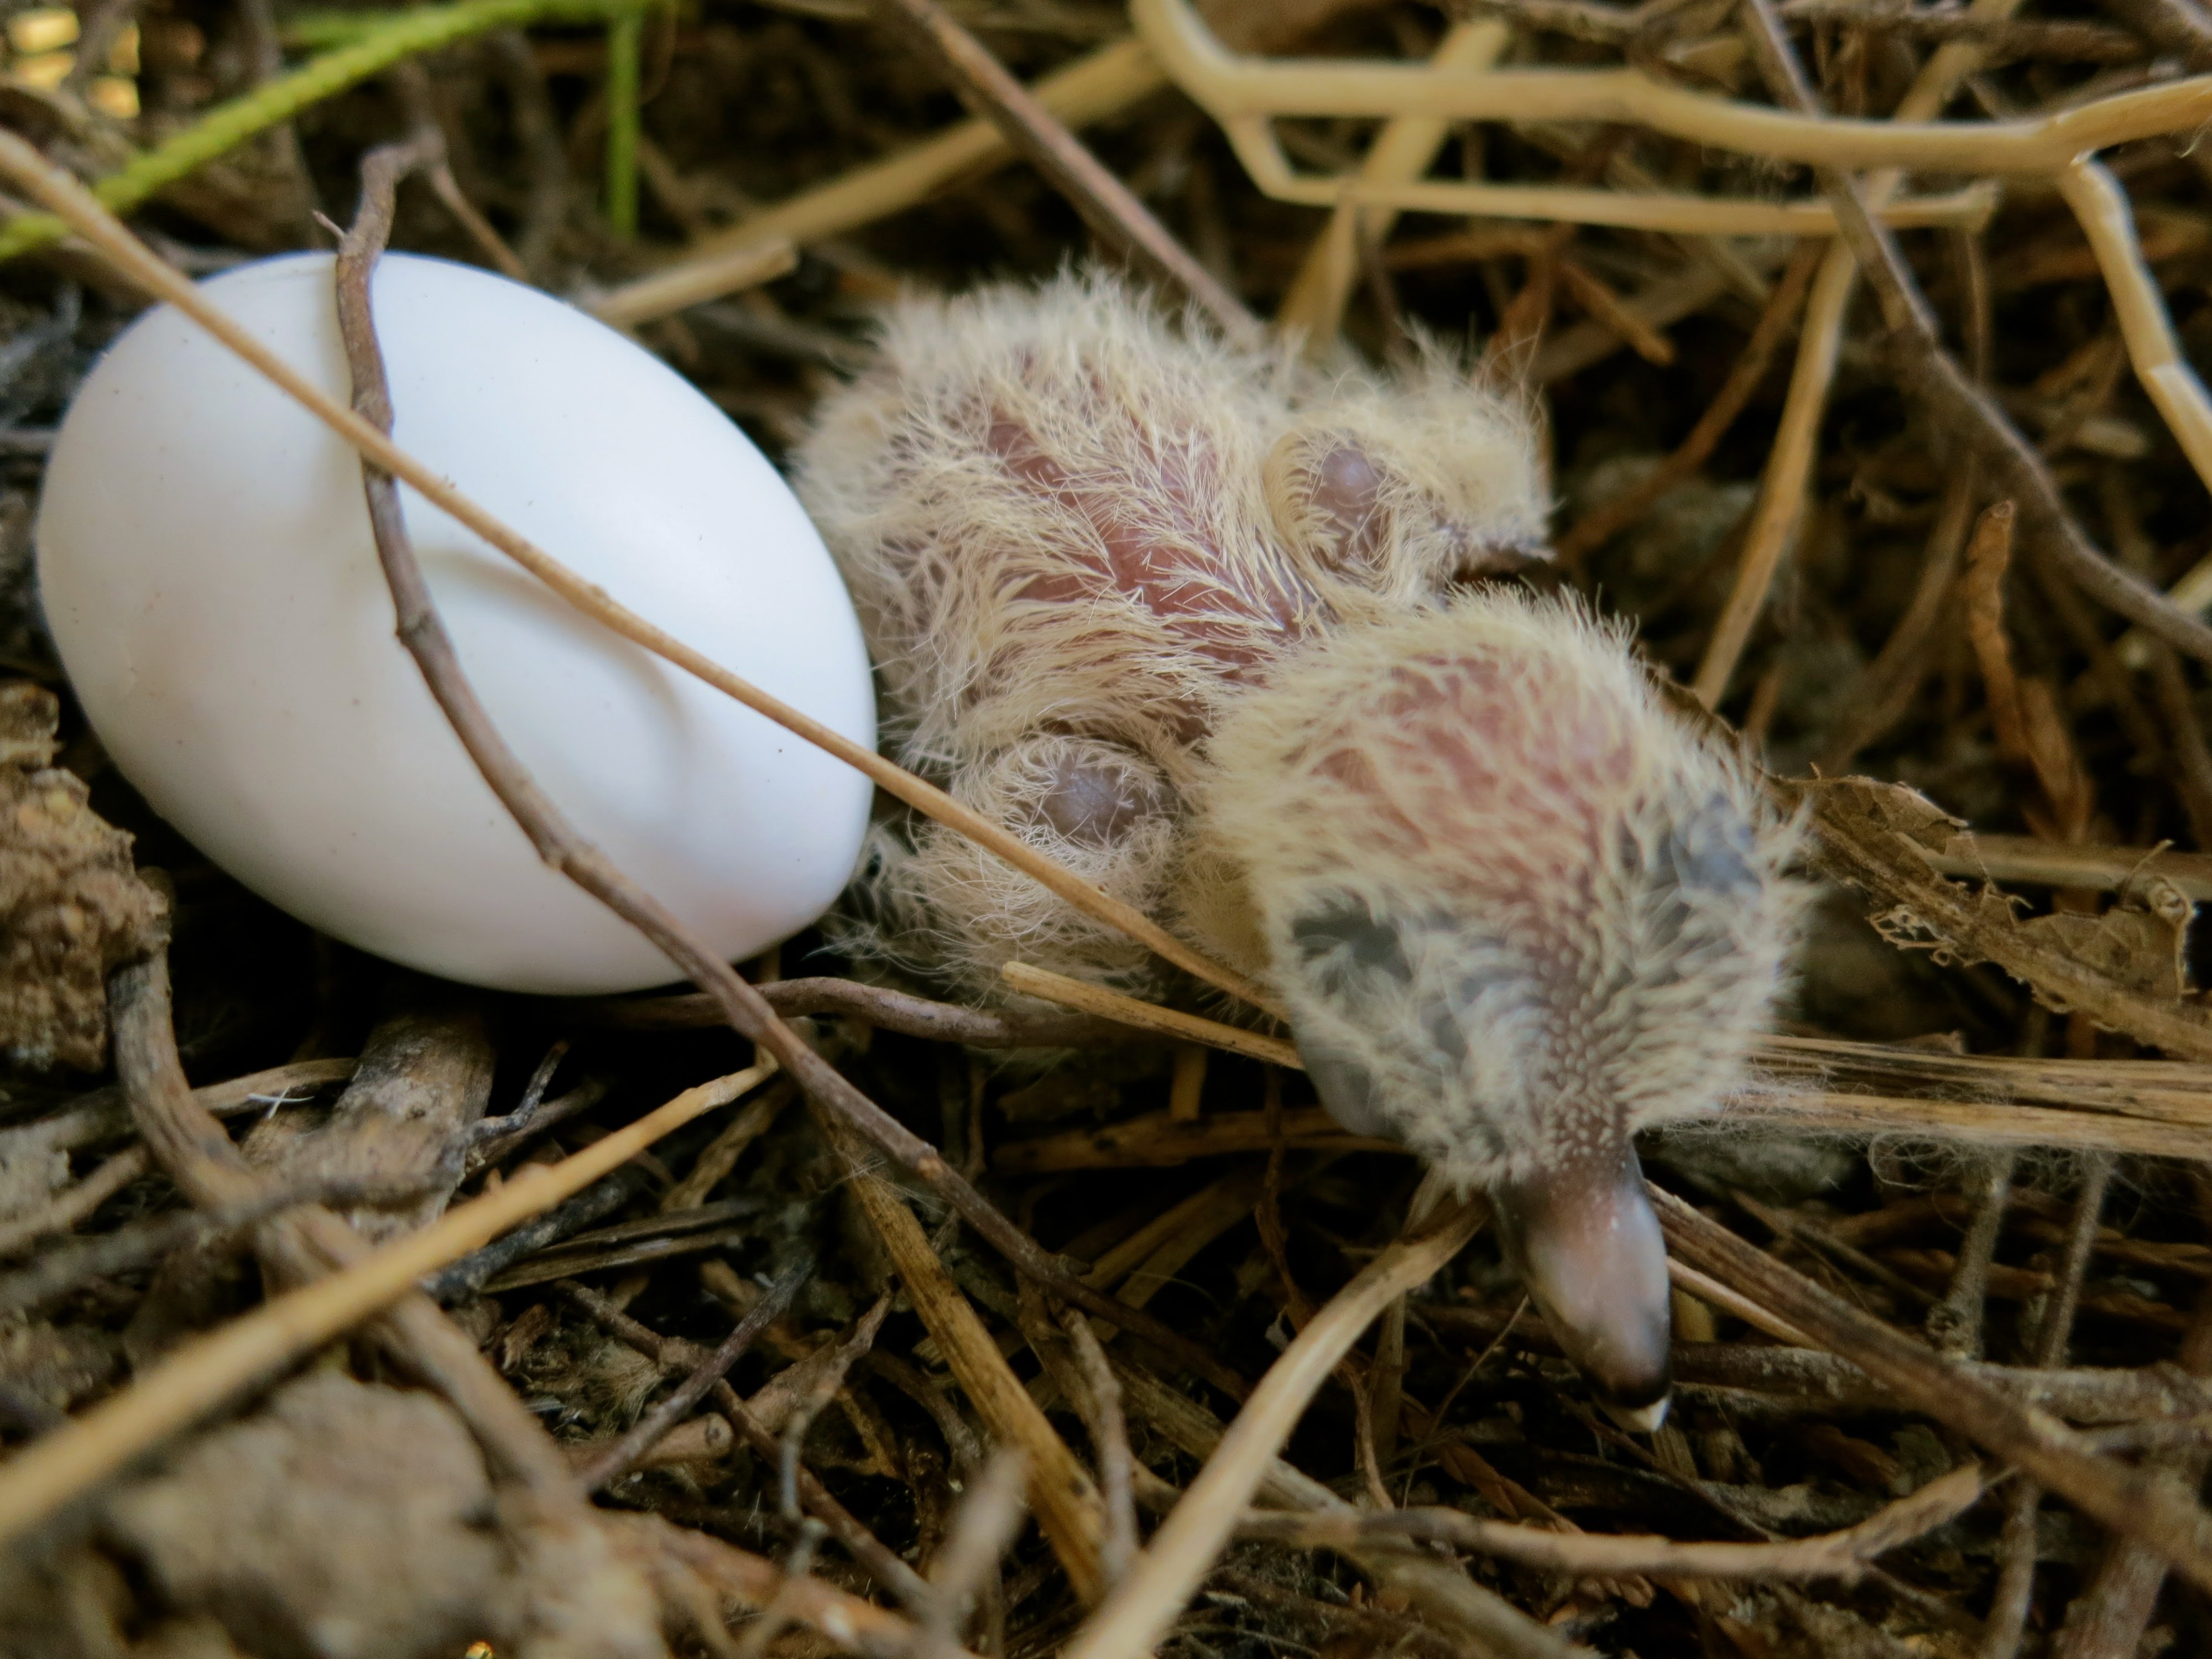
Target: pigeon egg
x=209, y=578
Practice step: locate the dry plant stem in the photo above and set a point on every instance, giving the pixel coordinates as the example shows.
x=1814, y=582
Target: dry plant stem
x=1312, y=309
x=2109, y=1619
x=983, y=1531
x=1090, y=90
x=29, y=170
x=2146, y=1505
x=1789, y=463
x=1781, y=494
x=617, y=1460
x=72, y=1204
x=1955, y=1322
x=1891, y=681
x=2101, y=206
x=1242, y=91
x=745, y=1581
x=1714, y=1294
x=1142, y=1608
x=873, y=1005
x=2015, y=1592
x=673, y=1354
x=1608, y=517
x=1840, y=1556
x=1107, y=206
x=1109, y=1440
x=1067, y=1502
x=1590, y=293
x=1047, y=986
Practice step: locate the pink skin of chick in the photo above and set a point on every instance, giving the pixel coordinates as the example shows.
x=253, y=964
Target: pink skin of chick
x=1195, y=620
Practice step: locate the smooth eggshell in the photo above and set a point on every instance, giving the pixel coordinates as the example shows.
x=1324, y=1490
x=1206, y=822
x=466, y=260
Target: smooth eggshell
x=210, y=577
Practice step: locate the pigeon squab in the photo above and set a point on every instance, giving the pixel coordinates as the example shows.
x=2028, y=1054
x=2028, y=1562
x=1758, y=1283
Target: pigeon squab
x=1210, y=626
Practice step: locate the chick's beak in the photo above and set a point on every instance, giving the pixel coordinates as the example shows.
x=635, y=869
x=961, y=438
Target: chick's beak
x=1588, y=1249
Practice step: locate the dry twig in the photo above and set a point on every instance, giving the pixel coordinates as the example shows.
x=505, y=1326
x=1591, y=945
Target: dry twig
x=1844, y=1556
x=1108, y=205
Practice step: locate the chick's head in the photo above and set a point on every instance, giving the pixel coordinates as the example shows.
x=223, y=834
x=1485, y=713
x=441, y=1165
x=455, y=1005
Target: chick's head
x=1517, y=911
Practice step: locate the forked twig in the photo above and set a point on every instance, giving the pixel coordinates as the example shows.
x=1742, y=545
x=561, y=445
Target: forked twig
x=838, y=1365
x=646, y=1432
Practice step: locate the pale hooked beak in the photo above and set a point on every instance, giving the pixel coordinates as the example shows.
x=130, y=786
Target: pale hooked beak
x=1588, y=1249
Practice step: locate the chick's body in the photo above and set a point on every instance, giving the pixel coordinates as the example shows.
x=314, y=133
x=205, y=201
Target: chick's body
x=1076, y=538
x=1189, y=617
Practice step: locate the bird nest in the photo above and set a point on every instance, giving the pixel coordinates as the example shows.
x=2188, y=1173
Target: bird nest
x=814, y=1310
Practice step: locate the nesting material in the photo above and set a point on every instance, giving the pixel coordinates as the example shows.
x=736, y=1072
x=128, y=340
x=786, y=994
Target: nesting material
x=71, y=906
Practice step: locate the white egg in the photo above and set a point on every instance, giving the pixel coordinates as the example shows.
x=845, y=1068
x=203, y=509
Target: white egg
x=209, y=578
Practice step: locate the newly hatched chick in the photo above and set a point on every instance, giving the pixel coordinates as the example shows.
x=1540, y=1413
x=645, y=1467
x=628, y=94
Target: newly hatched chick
x=1193, y=619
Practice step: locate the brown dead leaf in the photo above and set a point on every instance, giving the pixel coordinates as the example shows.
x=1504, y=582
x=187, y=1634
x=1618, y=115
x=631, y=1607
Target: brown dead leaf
x=2123, y=968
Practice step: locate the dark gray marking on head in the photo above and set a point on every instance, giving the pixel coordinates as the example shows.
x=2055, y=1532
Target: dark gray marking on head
x=1343, y=939
x=1702, y=862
